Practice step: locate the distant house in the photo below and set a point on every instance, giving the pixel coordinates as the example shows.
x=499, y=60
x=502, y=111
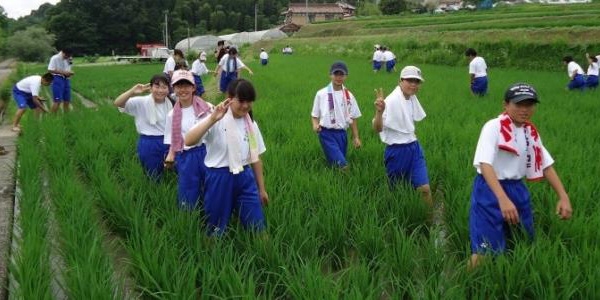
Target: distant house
x=302, y=13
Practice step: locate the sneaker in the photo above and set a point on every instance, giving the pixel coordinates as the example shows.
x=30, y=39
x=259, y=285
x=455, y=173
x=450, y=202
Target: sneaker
x=16, y=129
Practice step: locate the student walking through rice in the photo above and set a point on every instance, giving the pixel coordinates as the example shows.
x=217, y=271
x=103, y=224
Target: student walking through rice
x=477, y=72
x=509, y=149
x=188, y=159
x=234, y=177
x=60, y=67
x=334, y=110
x=149, y=112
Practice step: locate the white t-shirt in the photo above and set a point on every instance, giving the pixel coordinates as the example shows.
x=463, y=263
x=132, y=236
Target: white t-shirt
x=573, y=67
x=58, y=63
x=199, y=68
x=188, y=120
x=216, y=144
x=264, y=55
x=31, y=85
x=593, y=69
x=229, y=68
x=169, y=65
x=388, y=55
x=377, y=55
x=388, y=135
x=321, y=109
x=137, y=107
x=507, y=165
x=478, y=67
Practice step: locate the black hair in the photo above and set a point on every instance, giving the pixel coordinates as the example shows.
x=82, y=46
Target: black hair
x=594, y=59
x=233, y=51
x=67, y=51
x=48, y=77
x=158, y=78
x=470, y=52
x=178, y=52
x=247, y=93
x=220, y=43
x=568, y=59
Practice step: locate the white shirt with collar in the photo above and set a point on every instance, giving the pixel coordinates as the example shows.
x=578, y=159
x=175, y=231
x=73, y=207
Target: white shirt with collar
x=321, y=111
x=478, y=67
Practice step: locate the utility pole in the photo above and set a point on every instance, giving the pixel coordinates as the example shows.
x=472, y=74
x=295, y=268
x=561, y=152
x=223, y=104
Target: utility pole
x=166, y=29
x=307, y=19
x=255, y=15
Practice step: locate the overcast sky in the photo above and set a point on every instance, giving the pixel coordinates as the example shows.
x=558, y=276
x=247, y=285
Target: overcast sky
x=19, y=8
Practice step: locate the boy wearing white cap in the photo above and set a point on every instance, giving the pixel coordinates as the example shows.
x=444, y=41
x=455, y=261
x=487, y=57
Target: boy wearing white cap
x=377, y=59
x=334, y=110
x=395, y=122
x=198, y=69
x=189, y=159
x=509, y=149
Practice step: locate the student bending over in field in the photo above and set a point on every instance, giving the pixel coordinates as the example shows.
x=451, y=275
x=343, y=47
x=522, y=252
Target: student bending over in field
x=26, y=93
x=509, y=148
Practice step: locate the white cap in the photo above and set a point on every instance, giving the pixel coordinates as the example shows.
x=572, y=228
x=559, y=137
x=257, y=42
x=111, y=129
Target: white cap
x=411, y=72
x=377, y=46
x=203, y=55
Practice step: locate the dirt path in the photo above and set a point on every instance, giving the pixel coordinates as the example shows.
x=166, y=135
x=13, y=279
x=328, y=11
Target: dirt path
x=8, y=140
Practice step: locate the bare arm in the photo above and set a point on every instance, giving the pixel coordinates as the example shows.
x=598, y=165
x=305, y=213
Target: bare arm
x=355, y=136
x=257, y=168
x=563, y=207
x=248, y=69
x=135, y=90
x=194, y=135
x=507, y=207
x=315, y=125
x=379, y=109
x=38, y=103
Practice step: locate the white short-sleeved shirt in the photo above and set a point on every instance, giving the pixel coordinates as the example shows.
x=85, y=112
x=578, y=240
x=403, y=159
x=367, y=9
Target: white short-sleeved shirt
x=188, y=120
x=573, y=67
x=216, y=144
x=593, y=69
x=478, y=67
x=58, y=63
x=137, y=107
x=169, y=65
x=264, y=55
x=507, y=165
x=199, y=68
x=388, y=55
x=31, y=85
x=390, y=136
x=321, y=109
x=225, y=59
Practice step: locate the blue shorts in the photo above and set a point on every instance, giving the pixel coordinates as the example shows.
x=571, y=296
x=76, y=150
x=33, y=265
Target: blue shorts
x=191, y=174
x=152, y=151
x=390, y=64
x=592, y=81
x=406, y=162
x=226, y=78
x=334, y=143
x=479, y=86
x=199, y=85
x=376, y=65
x=487, y=229
x=61, y=89
x=264, y=62
x=577, y=83
x=23, y=99
x=227, y=193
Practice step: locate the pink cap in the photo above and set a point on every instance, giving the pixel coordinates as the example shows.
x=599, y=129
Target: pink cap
x=180, y=75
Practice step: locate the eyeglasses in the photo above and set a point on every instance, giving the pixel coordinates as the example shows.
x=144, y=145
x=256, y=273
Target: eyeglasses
x=412, y=80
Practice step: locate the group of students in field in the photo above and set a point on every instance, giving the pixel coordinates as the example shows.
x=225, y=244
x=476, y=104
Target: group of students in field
x=383, y=56
x=578, y=79
x=215, y=149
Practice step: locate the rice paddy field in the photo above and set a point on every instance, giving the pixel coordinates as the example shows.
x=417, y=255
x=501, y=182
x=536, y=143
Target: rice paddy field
x=92, y=226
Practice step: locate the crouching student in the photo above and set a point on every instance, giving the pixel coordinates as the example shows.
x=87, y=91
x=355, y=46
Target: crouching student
x=334, y=110
x=26, y=93
x=149, y=113
x=592, y=72
x=395, y=122
x=575, y=72
x=234, y=177
x=509, y=148
x=188, y=159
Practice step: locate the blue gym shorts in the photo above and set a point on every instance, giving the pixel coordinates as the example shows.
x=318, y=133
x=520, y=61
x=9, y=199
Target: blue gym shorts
x=488, y=230
x=227, y=193
x=334, y=143
x=479, y=86
x=390, y=64
x=191, y=175
x=152, y=151
x=23, y=99
x=577, y=83
x=61, y=89
x=226, y=78
x=592, y=81
x=264, y=62
x=406, y=162
x=376, y=65
x=199, y=85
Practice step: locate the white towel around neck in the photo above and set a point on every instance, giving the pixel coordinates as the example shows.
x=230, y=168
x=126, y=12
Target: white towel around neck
x=150, y=105
x=397, y=114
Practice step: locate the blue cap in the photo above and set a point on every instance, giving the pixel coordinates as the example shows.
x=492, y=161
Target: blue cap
x=338, y=66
